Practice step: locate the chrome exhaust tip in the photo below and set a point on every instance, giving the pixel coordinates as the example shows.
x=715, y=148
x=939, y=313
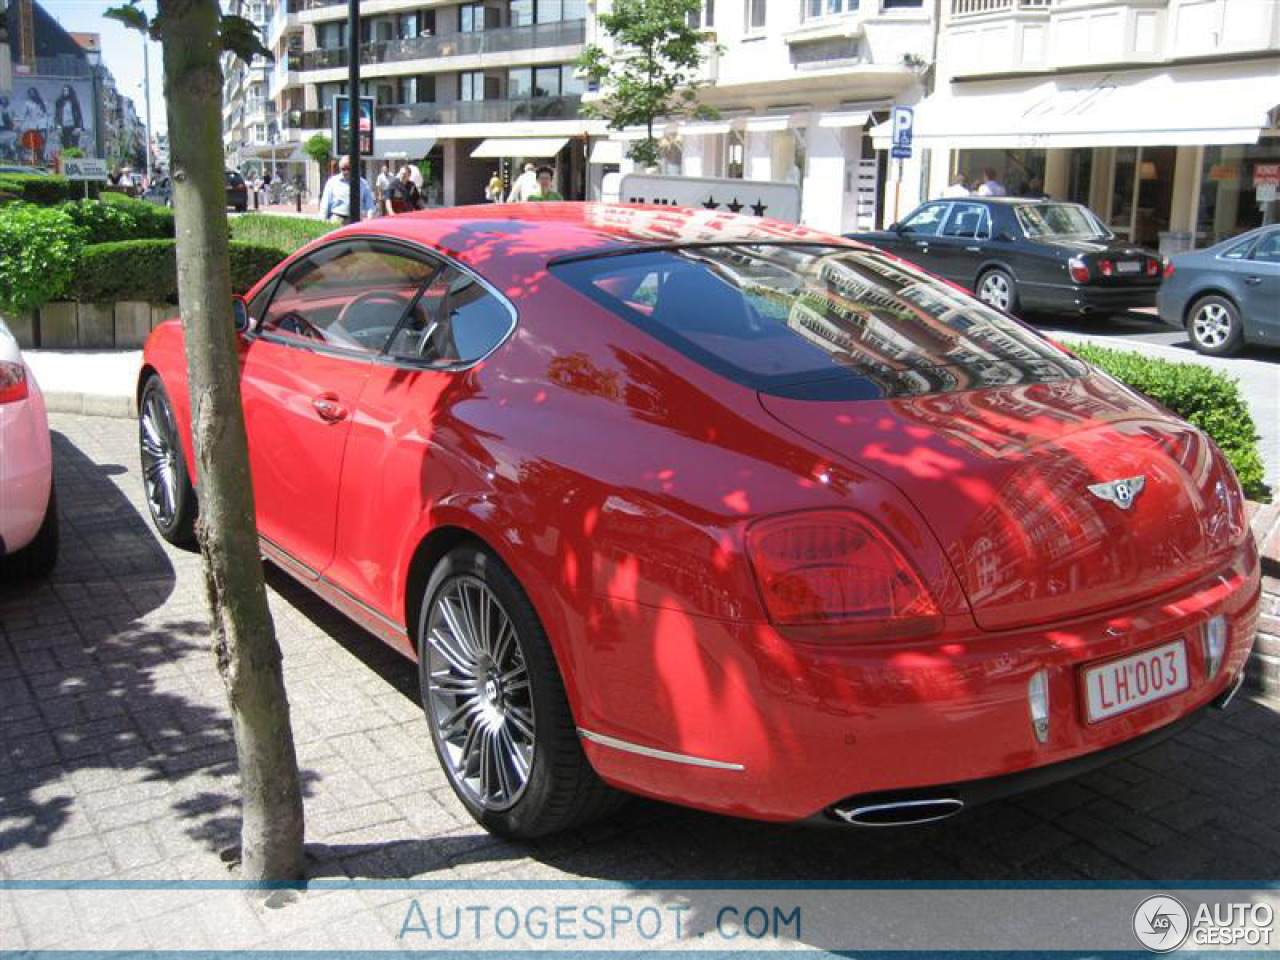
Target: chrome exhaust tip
x=902, y=813
x=1223, y=700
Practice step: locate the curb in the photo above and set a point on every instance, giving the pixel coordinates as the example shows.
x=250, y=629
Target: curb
x=92, y=404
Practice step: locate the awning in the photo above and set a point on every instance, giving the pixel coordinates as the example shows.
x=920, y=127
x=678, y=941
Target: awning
x=704, y=129
x=767, y=124
x=854, y=118
x=605, y=152
x=390, y=147
x=1177, y=106
x=496, y=147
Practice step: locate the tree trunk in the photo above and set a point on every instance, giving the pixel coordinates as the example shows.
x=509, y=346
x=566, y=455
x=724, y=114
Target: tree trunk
x=244, y=640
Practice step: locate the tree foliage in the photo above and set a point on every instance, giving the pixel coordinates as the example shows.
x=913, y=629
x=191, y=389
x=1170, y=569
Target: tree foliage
x=235, y=34
x=652, y=69
x=320, y=149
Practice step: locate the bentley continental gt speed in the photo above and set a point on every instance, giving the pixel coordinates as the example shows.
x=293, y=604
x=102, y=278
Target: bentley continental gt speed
x=722, y=511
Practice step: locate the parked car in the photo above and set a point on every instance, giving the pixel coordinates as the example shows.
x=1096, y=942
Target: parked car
x=161, y=192
x=1026, y=255
x=17, y=168
x=28, y=505
x=1226, y=295
x=722, y=511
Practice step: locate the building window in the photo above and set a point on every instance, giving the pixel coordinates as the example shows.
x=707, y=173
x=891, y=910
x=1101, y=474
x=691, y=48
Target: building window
x=755, y=15
x=476, y=85
x=546, y=82
x=474, y=17
x=816, y=9
x=901, y=4
x=705, y=18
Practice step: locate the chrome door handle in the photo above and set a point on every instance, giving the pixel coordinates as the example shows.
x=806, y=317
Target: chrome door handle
x=974, y=249
x=1253, y=281
x=328, y=407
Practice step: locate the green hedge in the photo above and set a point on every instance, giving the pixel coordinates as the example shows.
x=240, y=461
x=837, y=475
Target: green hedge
x=148, y=270
x=45, y=191
x=120, y=220
x=1201, y=395
x=286, y=234
x=39, y=247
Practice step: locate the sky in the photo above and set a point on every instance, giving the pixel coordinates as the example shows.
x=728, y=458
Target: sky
x=121, y=49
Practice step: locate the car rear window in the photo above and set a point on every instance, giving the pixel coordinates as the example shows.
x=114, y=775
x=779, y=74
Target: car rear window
x=817, y=322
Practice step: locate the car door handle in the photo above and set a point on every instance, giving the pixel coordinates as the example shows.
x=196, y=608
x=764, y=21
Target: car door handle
x=974, y=249
x=328, y=407
x=1253, y=281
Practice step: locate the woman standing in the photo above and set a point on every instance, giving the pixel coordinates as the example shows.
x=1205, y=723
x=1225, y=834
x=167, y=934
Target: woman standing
x=33, y=124
x=67, y=117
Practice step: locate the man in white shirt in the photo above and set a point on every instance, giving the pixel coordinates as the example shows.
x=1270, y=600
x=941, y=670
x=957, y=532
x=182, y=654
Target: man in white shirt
x=335, y=201
x=991, y=187
x=526, y=185
x=957, y=187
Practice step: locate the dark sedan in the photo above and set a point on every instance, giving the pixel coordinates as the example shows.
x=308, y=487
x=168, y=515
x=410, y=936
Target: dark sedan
x=161, y=191
x=1226, y=295
x=1019, y=254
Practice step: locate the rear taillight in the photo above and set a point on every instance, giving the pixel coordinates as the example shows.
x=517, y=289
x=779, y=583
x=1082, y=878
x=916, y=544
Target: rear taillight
x=833, y=568
x=1168, y=268
x=1107, y=268
x=1079, y=269
x=13, y=382
x=1153, y=268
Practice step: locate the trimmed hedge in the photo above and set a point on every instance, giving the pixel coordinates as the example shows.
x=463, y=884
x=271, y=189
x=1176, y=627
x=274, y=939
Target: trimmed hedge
x=286, y=234
x=44, y=191
x=39, y=247
x=1201, y=395
x=120, y=220
x=148, y=270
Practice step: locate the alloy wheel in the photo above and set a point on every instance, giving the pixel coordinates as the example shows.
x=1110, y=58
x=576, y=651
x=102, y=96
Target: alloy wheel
x=479, y=698
x=995, y=290
x=159, y=458
x=1212, y=325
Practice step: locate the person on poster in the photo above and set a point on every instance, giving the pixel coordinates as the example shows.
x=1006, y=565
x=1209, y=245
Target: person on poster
x=33, y=124
x=67, y=117
x=8, y=132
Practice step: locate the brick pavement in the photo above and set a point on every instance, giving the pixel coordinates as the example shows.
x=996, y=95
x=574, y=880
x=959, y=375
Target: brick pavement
x=118, y=762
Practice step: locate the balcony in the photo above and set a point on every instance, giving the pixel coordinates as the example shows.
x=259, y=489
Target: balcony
x=506, y=39
x=477, y=111
x=977, y=8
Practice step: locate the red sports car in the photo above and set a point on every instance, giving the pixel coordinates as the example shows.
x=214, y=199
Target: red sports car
x=721, y=511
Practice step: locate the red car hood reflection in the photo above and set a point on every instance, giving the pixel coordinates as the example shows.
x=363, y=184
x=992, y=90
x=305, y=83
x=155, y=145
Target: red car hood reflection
x=1002, y=475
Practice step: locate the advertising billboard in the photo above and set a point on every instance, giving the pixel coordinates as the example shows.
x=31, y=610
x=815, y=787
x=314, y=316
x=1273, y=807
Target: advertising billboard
x=342, y=126
x=42, y=116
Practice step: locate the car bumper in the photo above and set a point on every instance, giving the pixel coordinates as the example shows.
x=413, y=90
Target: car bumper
x=1074, y=299
x=26, y=468
x=739, y=719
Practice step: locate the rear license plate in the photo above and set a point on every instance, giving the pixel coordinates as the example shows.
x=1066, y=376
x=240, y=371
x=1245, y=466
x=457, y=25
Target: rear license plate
x=1118, y=686
x=1128, y=266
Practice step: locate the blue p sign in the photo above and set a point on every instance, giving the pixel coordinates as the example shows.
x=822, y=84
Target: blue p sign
x=903, y=121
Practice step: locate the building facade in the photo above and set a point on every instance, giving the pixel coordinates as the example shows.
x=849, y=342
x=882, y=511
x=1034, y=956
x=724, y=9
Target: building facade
x=251, y=133
x=798, y=84
x=1161, y=115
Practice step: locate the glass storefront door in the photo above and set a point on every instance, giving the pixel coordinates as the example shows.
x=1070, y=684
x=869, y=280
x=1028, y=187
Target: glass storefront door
x=1238, y=189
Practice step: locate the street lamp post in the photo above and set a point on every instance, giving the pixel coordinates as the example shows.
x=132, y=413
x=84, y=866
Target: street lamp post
x=146, y=95
x=353, y=107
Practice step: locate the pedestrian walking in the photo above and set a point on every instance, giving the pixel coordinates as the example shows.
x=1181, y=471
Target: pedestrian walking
x=525, y=185
x=335, y=202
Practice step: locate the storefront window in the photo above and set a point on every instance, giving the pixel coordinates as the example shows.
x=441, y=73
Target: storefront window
x=1019, y=171
x=1079, y=176
x=1121, y=219
x=1238, y=190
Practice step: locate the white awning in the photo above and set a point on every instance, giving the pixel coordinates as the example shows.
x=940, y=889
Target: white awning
x=1174, y=106
x=855, y=118
x=704, y=129
x=496, y=147
x=390, y=147
x=605, y=152
x=767, y=124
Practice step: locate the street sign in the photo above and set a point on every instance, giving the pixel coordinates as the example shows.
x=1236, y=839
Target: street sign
x=775, y=199
x=84, y=168
x=902, y=121
x=342, y=126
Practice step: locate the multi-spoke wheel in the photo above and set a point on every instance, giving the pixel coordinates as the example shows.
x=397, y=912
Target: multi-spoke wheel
x=496, y=705
x=997, y=288
x=170, y=498
x=1213, y=324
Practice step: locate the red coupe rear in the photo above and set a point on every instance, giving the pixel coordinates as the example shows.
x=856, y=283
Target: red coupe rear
x=721, y=511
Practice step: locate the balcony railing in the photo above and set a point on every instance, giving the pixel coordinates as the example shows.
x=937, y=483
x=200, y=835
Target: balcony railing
x=532, y=37
x=975, y=8
x=477, y=111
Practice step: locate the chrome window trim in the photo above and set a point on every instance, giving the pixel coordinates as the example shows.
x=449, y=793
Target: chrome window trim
x=654, y=753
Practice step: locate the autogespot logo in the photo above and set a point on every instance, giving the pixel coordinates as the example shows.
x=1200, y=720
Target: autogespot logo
x=1161, y=923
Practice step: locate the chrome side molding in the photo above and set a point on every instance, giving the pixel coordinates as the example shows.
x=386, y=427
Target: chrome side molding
x=654, y=753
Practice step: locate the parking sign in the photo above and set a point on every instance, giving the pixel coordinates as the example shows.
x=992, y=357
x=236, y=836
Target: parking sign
x=903, y=122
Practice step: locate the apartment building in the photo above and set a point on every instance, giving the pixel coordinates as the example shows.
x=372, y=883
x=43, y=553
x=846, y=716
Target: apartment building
x=251, y=135
x=468, y=87
x=1161, y=115
x=798, y=84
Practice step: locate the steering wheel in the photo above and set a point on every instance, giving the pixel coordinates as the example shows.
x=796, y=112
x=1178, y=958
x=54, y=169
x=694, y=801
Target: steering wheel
x=368, y=297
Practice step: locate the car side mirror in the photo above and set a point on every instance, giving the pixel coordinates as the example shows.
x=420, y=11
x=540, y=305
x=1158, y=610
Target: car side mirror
x=1004, y=237
x=897, y=228
x=240, y=310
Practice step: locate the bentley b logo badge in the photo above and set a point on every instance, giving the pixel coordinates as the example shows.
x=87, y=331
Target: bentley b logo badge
x=1120, y=492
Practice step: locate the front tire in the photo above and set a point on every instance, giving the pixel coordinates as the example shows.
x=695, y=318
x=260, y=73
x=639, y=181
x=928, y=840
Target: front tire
x=499, y=718
x=1214, y=327
x=996, y=288
x=38, y=558
x=170, y=496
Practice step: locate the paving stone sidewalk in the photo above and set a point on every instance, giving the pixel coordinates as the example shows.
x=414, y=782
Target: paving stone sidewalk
x=117, y=760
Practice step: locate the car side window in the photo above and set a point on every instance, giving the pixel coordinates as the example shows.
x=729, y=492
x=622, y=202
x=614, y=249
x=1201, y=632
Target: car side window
x=1238, y=251
x=346, y=295
x=925, y=221
x=456, y=320
x=968, y=221
x=1268, y=248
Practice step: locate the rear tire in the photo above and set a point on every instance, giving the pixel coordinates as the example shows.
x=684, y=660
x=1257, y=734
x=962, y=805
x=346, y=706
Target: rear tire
x=170, y=497
x=37, y=558
x=499, y=717
x=996, y=288
x=1214, y=327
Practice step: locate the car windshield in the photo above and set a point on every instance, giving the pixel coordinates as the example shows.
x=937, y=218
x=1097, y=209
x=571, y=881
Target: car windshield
x=1060, y=220
x=817, y=322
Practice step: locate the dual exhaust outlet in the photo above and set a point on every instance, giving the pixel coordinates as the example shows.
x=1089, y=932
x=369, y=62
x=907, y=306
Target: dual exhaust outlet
x=900, y=813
